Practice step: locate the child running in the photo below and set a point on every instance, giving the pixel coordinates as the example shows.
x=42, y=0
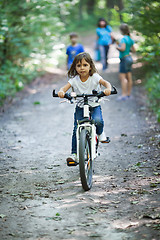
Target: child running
x=73, y=49
x=83, y=78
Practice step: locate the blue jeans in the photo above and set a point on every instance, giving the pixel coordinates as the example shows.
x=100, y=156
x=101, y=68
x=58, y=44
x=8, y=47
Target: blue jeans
x=126, y=64
x=96, y=114
x=104, y=55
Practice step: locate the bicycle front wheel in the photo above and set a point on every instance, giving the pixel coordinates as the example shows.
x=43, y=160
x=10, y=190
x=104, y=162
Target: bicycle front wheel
x=85, y=160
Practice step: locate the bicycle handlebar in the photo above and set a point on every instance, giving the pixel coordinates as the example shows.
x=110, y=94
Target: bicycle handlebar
x=95, y=94
x=67, y=95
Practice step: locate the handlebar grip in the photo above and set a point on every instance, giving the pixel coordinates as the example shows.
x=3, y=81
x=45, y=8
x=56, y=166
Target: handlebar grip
x=54, y=93
x=67, y=95
x=100, y=94
x=114, y=91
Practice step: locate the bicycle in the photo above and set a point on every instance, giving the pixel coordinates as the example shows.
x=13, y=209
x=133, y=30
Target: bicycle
x=87, y=140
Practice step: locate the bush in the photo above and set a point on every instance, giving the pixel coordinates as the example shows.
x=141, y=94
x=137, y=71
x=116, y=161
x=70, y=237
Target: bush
x=28, y=30
x=13, y=78
x=153, y=88
x=145, y=20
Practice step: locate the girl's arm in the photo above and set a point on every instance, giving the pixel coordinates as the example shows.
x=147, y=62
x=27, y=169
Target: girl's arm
x=63, y=90
x=67, y=62
x=133, y=49
x=122, y=48
x=107, y=85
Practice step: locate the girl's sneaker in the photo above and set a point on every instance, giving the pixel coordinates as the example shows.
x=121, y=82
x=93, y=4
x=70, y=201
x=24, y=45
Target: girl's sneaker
x=103, y=139
x=122, y=98
x=129, y=97
x=72, y=160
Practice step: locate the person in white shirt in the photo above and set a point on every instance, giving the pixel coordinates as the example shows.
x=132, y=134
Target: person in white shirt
x=83, y=78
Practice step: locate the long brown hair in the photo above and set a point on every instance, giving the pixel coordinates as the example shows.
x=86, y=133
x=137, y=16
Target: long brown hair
x=102, y=19
x=125, y=29
x=72, y=71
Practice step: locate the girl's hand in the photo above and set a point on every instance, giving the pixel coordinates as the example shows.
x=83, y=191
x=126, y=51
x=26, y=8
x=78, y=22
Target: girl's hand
x=107, y=92
x=118, y=48
x=117, y=41
x=61, y=94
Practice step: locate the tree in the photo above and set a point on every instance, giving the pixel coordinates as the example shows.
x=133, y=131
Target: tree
x=28, y=29
x=118, y=4
x=90, y=6
x=81, y=3
x=110, y=4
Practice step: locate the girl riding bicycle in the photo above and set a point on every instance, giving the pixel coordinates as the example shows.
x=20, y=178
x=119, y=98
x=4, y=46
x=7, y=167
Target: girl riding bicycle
x=83, y=78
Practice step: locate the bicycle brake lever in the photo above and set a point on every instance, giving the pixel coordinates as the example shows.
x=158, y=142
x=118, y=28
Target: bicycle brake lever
x=94, y=91
x=106, y=99
x=63, y=101
x=100, y=94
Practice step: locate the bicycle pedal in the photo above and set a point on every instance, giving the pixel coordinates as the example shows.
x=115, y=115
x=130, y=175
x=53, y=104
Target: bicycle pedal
x=71, y=163
x=106, y=141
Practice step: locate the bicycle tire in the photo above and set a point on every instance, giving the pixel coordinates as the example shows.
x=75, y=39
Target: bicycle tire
x=85, y=161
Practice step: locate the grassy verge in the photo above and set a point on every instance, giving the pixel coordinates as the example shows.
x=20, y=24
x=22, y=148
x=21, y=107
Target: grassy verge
x=13, y=78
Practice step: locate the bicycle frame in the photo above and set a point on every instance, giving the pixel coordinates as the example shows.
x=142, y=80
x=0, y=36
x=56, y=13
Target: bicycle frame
x=90, y=126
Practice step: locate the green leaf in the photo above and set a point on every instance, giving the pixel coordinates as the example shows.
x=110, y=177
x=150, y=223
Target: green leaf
x=138, y=164
x=36, y=103
x=153, y=185
x=134, y=202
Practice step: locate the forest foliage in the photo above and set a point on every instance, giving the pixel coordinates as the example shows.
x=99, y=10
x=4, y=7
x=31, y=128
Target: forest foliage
x=29, y=30
x=145, y=19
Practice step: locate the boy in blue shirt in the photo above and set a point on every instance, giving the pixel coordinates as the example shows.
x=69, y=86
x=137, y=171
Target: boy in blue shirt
x=73, y=49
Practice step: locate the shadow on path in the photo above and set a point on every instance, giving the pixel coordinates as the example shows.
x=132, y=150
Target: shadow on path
x=41, y=198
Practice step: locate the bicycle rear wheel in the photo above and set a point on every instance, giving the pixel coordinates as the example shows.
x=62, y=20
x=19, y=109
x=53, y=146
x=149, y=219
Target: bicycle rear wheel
x=85, y=161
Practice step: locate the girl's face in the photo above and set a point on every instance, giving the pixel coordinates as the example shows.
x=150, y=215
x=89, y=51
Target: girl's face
x=102, y=24
x=83, y=68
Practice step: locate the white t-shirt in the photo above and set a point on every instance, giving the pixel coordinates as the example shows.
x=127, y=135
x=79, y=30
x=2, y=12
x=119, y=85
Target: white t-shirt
x=86, y=87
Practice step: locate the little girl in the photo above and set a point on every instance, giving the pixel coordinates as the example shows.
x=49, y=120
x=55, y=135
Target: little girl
x=125, y=75
x=83, y=78
x=104, y=35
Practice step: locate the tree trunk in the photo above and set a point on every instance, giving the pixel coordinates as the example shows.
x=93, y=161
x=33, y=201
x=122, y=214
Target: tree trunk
x=90, y=6
x=81, y=10
x=120, y=5
x=110, y=3
x=4, y=51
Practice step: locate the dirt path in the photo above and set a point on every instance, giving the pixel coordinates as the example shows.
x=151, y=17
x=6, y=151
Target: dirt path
x=41, y=198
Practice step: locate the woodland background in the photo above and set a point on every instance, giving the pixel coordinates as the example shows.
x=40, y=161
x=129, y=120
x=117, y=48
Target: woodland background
x=31, y=31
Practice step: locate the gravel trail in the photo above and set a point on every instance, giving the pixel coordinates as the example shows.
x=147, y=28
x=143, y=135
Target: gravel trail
x=42, y=198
